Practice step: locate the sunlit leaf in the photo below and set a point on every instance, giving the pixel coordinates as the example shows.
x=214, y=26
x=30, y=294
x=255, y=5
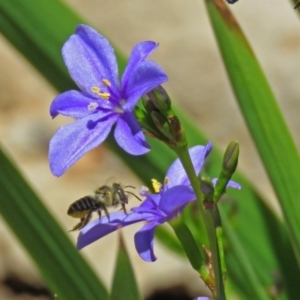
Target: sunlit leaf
x=63, y=268
x=124, y=284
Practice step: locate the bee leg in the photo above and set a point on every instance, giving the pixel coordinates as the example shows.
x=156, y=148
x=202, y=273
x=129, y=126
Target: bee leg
x=99, y=213
x=83, y=221
x=87, y=218
x=78, y=226
x=124, y=208
x=134, y=195
x=106, y=212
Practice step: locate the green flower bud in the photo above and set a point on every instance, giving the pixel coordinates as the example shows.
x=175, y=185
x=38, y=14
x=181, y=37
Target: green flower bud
x=168, y=129
x=230, y=162
x=231, y=158
x=148, y=104
x=162, y=124
x=160, y=99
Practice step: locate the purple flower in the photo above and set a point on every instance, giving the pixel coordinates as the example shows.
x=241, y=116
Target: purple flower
x=156, y=209
x=103, y=101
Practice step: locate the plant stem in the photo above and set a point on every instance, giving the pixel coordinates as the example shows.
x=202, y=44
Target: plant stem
x=186, y=161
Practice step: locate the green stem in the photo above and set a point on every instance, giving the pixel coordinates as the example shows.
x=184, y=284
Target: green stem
x=207, y=217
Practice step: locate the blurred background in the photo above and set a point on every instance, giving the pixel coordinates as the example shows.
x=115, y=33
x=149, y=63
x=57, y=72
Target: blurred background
x=197, y=84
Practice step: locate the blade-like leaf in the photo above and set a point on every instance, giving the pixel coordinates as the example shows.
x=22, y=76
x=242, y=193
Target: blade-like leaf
x=296, y=3
x=169, y=240
x=191, y=248
x=64, y=269
x=124, y=284
x=262, y=114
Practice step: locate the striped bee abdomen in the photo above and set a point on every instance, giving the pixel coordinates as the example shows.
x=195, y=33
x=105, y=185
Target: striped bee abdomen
x=81, y=207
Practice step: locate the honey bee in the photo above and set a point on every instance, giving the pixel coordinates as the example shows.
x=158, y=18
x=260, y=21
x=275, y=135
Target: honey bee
x=103, y=197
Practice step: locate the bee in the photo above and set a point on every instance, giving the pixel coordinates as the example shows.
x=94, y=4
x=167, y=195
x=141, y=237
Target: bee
x=103, y=197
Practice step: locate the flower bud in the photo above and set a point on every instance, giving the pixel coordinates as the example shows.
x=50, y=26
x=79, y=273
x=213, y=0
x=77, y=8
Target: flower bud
x=161, y=124
x=168, y=129
x=231, y=157
x=160, y=99
x=148, y=104
x=230, y=162
x=177, y=130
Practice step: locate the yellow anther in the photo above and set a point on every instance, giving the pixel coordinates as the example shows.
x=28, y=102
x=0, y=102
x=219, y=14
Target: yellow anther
x=104, y=96
x=95, y=90
x=106, y=82
x=166, y=180
x=98, y=92
x=156, y=185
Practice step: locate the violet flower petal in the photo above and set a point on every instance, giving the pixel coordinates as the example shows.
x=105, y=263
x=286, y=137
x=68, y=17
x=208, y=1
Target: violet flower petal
x=146, y=76
x=176, y=174
x=130, y=136
x=101, y=227
x=90, y=58
x=138, y=54
x=72, y=141
x=144, y=241
x=149, y=204
x=174, y=199
x=230, y=183
x=234, y=185
x=74, y=104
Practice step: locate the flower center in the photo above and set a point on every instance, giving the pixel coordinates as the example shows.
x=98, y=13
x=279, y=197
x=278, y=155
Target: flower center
x=118, y=110
x=103, y=95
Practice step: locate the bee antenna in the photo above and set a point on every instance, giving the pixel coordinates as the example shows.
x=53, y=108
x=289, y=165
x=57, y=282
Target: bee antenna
x=130, y=186
x=134, y=195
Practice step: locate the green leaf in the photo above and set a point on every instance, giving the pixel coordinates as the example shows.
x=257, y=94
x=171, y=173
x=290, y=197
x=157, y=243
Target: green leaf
x=262, y=114
x=63, y=268
x=241, y=259
x=190, y=246
x=295, y=2
x=124, y=284
x=169, y=240
x=19, y=20
x=266, y=124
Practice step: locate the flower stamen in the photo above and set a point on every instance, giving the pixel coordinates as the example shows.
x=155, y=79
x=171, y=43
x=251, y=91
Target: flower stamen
x=166, y=180
x=106, y=82
x=156, y=185
x=96, y=90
